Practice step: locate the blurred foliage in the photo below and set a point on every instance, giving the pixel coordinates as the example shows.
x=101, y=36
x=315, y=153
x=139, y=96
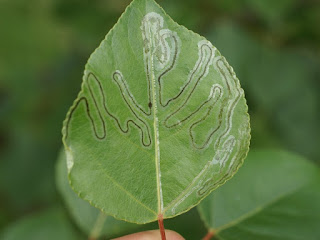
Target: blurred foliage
x=274, y=47
x=51, y=224
x=274, y=206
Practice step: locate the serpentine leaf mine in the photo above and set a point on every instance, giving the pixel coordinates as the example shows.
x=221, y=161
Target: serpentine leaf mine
x=159, y=123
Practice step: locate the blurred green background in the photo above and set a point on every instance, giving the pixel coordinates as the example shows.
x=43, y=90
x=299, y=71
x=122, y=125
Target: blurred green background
x=273, y=45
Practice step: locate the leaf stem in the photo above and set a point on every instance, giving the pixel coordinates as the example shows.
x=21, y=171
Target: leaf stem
x=98, y=226
x=209, y=235
x=161, y=226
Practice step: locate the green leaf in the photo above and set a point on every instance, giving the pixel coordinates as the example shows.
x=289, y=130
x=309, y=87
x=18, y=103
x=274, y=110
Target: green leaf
x=90, y=219
x=52, y=224
x=275, y=196
x=160, y=122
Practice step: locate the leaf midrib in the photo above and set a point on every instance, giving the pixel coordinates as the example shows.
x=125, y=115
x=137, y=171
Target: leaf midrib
x=156, y=138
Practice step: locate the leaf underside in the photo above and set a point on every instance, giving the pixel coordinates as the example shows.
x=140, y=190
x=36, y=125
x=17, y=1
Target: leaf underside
x=160, y=121
x=88, y=218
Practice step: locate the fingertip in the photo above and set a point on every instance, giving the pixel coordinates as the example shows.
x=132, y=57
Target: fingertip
x=172, y=235
x=152, y=235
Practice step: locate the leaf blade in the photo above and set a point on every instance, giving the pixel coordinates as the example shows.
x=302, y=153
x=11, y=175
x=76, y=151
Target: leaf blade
x=89, y=219
x=128, y=102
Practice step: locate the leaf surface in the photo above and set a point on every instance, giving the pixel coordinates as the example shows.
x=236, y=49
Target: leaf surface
x=90, y=219
x=275, y=196
x=96, y=224
x=160, y=122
